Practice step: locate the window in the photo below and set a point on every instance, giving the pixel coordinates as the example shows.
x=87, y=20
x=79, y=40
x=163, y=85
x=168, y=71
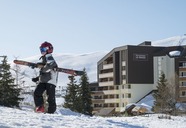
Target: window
x=124, y=68
x=97, y=97
x=129, y=86
x=183, y=83
x=111, y=96
x=183, y=93
x=117, y=87
x=124, y=77
x=128, y=95
x=105, y=105
x=111, y=88
x=105, y=96
x=182, y=74
x=111, y=105
x=106, y=71
x=182, y=64
x=123, y=96
x=105, y=88
x=117, y=105
x=123, y=104
x=117, y=96
x=103, y=80
x=97, y=105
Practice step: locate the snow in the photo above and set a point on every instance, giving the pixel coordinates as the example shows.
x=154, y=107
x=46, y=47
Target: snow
x=64, y=118
x=171, y=41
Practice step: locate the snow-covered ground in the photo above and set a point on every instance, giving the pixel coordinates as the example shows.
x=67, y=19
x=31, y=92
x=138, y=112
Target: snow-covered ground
x=64, y=118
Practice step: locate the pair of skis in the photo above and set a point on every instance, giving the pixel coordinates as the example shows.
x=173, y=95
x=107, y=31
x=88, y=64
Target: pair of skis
x=37, y=65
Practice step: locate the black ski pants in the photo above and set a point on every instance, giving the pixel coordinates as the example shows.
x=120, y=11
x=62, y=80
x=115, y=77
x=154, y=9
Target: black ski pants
x=50, y=91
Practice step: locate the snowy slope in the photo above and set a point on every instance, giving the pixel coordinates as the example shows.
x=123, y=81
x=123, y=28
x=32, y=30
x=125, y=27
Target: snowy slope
x=172, y=41
x=63, y=118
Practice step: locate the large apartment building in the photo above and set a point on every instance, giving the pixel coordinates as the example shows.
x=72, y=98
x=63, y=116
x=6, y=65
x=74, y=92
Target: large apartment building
x=128, y=73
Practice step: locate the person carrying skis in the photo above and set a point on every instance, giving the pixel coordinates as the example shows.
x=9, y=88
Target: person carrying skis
x=47, y=80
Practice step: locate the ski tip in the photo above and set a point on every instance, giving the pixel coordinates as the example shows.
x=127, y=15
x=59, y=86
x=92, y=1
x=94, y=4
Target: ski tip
x=80, y=73
x=15, y=61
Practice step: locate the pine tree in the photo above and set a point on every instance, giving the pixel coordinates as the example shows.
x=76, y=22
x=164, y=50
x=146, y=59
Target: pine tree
x=71, y=95
x=9, y=92
x=161, y=95
x=85, y=92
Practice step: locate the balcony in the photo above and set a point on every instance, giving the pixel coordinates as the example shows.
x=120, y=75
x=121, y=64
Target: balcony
x=124, y=72
x=107, y=66
x=112, y=100
x=182, y=78
x=182, y=68
x=107, y=83
x=124, y=81
x=182, y=87
x=107, y=92
x=123, y=63
x=106, y=75
x=97, y=101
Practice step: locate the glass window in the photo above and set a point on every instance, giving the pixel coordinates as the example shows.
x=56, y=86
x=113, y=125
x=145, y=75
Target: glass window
x=117, y=96
x=129, y=86
x=117, y=105
x=183, y=93
x=123, y=96
x=183, y=83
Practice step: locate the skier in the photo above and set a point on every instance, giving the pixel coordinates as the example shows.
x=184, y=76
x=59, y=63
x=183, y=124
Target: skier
x=47, y=80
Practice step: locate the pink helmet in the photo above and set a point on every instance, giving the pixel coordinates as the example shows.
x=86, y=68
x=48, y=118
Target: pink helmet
x=46, y=48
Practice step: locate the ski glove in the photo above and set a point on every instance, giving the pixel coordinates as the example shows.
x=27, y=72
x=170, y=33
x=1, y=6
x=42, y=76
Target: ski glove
x=32, y=66
x=35, y=79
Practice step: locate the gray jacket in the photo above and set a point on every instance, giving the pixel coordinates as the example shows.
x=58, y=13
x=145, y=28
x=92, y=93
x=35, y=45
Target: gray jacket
x=48, y=73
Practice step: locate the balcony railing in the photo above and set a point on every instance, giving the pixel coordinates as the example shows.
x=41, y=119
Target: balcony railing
x=112, y=100
x=106, y=92
x=123, y=63
x=107, y=83
x=105, y=75
x=107, y=66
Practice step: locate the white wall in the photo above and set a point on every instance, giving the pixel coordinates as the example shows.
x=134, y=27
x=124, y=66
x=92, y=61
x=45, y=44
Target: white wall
x=138, y=91
x=165, y=64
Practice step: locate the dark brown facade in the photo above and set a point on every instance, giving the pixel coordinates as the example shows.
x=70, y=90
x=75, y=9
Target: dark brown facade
x=139, y=60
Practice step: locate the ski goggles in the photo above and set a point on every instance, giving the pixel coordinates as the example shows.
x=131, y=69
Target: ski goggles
x=43, y=49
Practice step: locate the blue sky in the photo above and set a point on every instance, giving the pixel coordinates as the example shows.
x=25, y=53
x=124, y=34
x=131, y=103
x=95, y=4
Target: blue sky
x=82, y=26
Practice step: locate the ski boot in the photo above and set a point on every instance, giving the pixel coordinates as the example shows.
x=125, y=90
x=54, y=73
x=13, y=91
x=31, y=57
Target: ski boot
x=40, y=109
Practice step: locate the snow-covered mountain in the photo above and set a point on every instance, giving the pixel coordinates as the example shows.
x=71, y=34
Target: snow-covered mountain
x=171, y=41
